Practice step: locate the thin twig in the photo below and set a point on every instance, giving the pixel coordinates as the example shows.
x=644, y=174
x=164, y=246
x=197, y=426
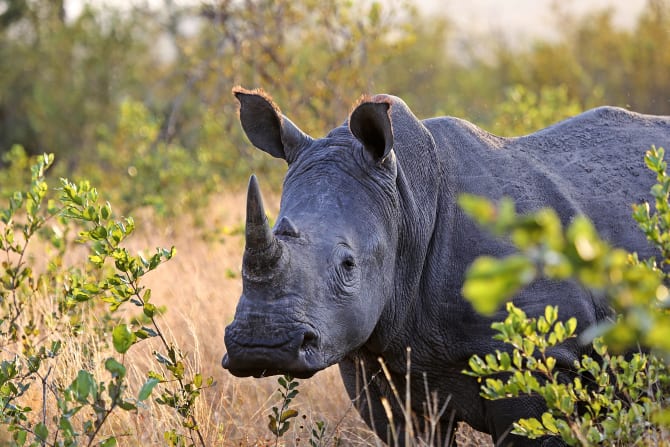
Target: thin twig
x=44, y=395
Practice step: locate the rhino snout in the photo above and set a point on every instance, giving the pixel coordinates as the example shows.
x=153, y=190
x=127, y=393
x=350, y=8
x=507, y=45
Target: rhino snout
x=263, y=353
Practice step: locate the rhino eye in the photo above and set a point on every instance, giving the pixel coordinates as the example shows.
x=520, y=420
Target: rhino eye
x=345, y=260
x=349, y=263
x=346, y=271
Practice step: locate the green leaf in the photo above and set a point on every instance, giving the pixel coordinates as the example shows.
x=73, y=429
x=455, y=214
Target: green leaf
x=177, y=370
x=272, y=425
x=549, y=422
x=83, y=386
x=114, y=367
x=109, y=442
x=479, y=208
x=149, y=309
x=106, y=211
x=20, y=437
x=41, y=431
x=584, y=239
x=504, y=361
x=98, y=233
x=532, y=426
x=31, y=206
x=96, y=260
x=145, y=332
x=288, y=414
x=551, y=363
x=123, y=338
x=66, y=427
x=127, y=405
x=566, y=404
x=491, y=281
x=157, y=376
x=147, y=388
x=551, y=314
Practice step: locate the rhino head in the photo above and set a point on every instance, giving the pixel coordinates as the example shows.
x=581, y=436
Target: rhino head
x=316, y=285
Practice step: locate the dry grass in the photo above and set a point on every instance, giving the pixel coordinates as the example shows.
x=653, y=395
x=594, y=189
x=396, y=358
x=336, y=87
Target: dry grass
x=200, y=288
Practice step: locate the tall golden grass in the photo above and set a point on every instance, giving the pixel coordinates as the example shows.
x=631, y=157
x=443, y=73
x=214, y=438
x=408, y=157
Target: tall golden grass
x=200, y=287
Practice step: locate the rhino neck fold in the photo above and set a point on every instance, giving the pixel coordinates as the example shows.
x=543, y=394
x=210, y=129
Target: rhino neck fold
x=417, y=182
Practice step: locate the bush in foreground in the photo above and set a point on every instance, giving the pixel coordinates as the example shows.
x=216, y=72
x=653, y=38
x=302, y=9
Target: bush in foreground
x=616, y=399
x=86, y=301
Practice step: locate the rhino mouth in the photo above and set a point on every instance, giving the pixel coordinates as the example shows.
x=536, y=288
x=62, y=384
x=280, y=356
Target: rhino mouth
x=295, y=355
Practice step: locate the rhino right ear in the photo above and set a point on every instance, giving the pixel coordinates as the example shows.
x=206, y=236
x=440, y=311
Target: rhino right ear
x=267, y=128
x=371, y=124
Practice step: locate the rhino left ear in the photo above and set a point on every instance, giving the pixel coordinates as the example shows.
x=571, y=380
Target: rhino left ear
x=267, y=128
x=370, y=123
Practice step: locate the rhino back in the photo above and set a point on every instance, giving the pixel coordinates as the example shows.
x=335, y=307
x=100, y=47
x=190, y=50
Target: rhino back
x=590, y=164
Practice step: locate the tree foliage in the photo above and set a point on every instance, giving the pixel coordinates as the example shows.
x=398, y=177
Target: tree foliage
x=70, y=84
x=61, y=79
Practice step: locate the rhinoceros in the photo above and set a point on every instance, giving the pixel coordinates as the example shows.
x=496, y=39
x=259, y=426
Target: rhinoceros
x=369, y=251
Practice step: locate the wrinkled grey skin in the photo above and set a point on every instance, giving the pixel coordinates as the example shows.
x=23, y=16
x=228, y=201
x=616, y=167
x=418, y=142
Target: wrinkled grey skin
x=370, y=249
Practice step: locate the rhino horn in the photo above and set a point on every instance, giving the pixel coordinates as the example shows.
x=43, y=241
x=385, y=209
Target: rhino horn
x=262, y=249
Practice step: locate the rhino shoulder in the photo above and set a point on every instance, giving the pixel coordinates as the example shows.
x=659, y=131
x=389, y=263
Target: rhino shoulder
x=457, y=132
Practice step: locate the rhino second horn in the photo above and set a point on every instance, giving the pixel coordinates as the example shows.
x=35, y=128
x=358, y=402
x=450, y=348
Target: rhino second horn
x=262, y=249
x=286, y=228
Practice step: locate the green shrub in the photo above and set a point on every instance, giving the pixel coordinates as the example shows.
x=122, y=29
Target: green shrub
x=86, y=297
x=144, y=169
x=524, y=111
x=616, y=400
x=280, y=418
x=635, y=288
x=619, y=400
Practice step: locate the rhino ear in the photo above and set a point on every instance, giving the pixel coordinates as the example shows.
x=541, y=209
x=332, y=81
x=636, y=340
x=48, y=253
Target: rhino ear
x=267, y=128
x=370, y=123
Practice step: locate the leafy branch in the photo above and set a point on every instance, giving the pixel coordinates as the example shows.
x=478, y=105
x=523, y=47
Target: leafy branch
x=545, y=249
x=604, y=392
x=124, y=287
x=281, y=416
x=586, y=407
x=113, y=277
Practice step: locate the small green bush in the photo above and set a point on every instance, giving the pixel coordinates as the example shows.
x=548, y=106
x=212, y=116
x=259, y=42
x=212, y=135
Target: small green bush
x=614, y=400
x=75, y=412
x=280, y=418
x=635, y=287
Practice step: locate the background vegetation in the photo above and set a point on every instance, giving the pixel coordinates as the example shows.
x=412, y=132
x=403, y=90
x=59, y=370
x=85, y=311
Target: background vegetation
x=136, y=100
